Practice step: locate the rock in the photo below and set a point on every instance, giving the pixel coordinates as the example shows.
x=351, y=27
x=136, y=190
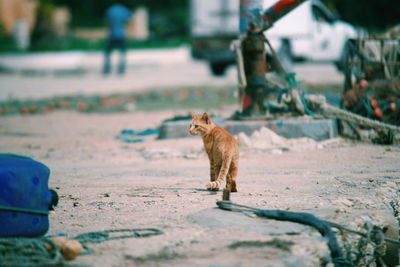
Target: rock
x=216, y=218
x=267, y=140
x=356, y=221
x=343, y=201
x=243, y=140
x=69, y=248
x=276, y=151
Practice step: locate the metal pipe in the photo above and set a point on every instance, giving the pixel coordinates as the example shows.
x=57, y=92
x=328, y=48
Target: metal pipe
x=250, y=13
x=252, y=24
x=255, y=68
x=252, y=45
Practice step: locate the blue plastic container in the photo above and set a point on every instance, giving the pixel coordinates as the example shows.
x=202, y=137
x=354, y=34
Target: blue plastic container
x=24, y=197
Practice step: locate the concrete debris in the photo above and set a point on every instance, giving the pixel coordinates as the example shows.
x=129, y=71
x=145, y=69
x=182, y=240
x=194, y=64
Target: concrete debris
x=352, y=243
x=343, y=202
x=162, y=153
x=167, y=153
x=267, y=140
x=173, y=148
x=264, y=140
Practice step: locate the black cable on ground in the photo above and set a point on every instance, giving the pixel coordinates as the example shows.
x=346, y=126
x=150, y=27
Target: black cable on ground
x=299, y=217
x=310, y=220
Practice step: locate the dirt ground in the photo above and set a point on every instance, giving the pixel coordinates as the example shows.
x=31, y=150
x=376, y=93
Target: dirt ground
x=105, y=183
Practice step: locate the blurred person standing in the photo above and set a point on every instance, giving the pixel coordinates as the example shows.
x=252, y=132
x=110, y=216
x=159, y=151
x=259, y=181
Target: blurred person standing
x=117, y=16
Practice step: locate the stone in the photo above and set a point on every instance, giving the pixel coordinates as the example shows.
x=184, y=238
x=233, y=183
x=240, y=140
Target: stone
x=316, y=129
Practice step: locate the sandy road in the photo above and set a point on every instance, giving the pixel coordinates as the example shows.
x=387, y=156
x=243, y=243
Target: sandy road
x=107, y=184
x=77, y=73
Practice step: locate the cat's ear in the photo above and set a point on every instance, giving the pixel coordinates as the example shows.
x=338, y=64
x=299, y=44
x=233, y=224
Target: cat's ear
x=193, y=116
x=206, y=118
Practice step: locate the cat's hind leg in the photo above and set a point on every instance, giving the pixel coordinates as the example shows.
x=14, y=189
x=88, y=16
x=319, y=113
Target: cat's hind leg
x=231, y=177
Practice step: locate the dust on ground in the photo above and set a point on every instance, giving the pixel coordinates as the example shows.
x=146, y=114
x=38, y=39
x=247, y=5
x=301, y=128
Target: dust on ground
x=105, y=183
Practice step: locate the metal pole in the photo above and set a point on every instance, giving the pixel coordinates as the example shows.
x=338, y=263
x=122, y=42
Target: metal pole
x=255, y=68
x=252, y=24
x=252, y=99
x=250, y=12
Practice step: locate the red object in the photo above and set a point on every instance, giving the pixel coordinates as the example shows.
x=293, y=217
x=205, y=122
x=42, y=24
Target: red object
x=65, y=104
x=393, y=106
x=247, y=100
x=283, y=4
x=82, y=106
x=280, y=9
x=23, y=110
x=378, y=113
x=373, y=103
x=363, y=83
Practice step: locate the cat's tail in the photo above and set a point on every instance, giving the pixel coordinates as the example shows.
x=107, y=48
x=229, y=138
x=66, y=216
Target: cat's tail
x=223, y=172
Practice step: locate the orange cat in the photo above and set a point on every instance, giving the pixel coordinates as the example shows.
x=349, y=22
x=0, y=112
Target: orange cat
x=222, y=151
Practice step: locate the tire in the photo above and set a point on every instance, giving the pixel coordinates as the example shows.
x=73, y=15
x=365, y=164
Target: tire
x=347, y=51
x=349, y=64
x=218, y=69
x=286, y=55
x=339, y=64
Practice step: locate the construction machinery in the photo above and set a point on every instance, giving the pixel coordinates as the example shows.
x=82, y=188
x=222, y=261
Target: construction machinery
x=372, y=83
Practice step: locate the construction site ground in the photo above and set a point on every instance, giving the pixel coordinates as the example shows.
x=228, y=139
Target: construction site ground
x=105, y=183
x=108, y=178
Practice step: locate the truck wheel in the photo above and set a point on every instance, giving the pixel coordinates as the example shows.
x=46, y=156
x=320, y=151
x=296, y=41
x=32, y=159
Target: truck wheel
x=285, y=54
x=347, y=52
x=350, y=65
x=218, y=69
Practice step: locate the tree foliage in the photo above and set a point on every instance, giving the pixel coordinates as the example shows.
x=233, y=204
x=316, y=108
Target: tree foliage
x=373, y=15
x=165, y=15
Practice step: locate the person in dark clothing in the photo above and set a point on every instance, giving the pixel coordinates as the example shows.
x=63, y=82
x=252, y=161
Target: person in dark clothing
x=117, y=16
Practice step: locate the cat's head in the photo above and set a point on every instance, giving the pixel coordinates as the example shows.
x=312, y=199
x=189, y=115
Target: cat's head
x=200, y=125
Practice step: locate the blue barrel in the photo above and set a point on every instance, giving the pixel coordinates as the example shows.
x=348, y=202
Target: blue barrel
x=24, y=197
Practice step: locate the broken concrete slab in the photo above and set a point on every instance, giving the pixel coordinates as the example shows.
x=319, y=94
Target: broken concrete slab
x=241, y=224
x=356, y=220
x=214, y=217
x=257, y=236
x=320, y=129
x=317, y=129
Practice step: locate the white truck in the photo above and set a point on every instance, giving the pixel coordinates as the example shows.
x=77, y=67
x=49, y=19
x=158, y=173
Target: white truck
x=310, y=32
